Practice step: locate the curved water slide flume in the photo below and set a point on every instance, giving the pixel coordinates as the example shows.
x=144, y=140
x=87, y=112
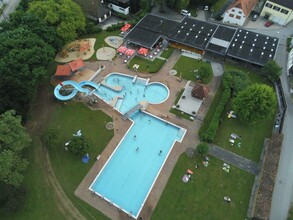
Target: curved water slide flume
x=78, y=87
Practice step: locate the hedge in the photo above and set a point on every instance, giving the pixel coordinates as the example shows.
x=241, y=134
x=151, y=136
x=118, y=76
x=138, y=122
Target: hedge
x=209, y=134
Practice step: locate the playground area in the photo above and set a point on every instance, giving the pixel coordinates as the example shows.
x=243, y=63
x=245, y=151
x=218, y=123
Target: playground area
x=83, y=48
x=105, y=53
x=114, y=41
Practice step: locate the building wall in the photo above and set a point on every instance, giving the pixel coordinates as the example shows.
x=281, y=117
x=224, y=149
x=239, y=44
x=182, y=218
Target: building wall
x=119, y=9
x=234, y=16
x=277, y=13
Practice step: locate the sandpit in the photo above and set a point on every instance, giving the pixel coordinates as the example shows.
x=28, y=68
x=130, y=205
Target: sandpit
x=114, y=41
x=83, y=48
x=105, y=53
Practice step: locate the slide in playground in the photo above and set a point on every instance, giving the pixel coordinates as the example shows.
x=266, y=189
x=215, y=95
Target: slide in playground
x=78, y=87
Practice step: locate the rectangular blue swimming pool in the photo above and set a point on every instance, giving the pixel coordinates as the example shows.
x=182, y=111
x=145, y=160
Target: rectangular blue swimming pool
x=128, y=176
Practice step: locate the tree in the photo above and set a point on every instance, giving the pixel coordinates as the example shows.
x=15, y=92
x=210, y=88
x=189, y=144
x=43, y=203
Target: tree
x=24, y=58
x=78, y=145
x=272, y=70
x=65, y=15
x=182, y=4
x=202, y=149
x=13, y=140
x=236, y=80
x=35, y=25
x=205, y=74
x=256, y=103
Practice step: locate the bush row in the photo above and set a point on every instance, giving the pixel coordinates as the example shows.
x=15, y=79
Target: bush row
x=209, y=134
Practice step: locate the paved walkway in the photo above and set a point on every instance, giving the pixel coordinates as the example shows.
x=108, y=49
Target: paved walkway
x=161, y=110
x=233, y=159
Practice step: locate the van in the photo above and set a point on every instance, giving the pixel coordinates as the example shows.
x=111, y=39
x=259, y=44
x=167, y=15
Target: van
x=254, y=17
x=185, y=13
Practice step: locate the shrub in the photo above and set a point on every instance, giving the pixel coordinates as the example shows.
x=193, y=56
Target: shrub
x=210, y=133
x=78, y=145
x=202, y=149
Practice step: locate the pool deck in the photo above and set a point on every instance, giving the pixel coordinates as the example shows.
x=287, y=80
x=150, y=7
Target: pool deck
x=161, y=110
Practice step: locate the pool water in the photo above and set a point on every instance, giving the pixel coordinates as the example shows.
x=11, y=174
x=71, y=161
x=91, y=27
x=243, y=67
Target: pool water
x=134, y=90
x=128, y=176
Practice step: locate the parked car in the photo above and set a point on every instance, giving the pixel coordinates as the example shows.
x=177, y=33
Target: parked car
x=269, y=23
x=185, y=12
x=254, y=17
x=206, y=8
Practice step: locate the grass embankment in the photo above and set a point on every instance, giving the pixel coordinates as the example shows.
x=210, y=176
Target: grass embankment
x=188, y=68
x=145, y=65
x=69, y=168
x=202, y=198
x=167, y=53
x=252, y=135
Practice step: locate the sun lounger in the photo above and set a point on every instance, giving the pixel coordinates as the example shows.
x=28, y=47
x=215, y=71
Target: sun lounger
x=185, y=178
x=226, y=165
x=226, y=169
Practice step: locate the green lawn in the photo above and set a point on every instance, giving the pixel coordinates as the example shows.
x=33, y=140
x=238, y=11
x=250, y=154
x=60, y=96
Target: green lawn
x=186, y=67
x=252, y=136
x=145, y=65
x=167, y=53
x=68, y=168
x=202, y=198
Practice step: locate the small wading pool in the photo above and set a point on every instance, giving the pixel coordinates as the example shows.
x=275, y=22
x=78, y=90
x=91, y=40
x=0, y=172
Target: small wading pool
x=130, y=173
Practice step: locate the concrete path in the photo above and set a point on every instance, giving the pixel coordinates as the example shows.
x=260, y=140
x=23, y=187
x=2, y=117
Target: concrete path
x=218, y=68
x=233, y=159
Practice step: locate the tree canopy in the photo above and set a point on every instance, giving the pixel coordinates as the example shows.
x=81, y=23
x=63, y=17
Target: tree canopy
x=65, y=15
x=257, y=102
x=35, y=25
x=78, y=145
x=13, y=139
x=24, y=58
x=272, y=70
x=236, y=80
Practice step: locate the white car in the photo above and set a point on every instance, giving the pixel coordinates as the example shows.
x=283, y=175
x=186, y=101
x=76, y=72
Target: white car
x=185, y=13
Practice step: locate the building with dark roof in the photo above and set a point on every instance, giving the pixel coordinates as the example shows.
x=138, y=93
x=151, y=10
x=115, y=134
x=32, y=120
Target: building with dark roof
x=94, y=10
x=201, y=36
x=278, y=11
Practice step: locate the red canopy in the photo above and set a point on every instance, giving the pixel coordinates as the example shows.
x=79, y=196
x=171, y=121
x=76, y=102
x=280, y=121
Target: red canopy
x=129, y=52
x=122, y=49
x=125, y=27
x=63, y=70
x=143, y=51
x=76, y=64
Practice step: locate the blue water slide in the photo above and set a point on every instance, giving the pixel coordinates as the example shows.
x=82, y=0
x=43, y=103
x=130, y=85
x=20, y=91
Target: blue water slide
x=78, y=87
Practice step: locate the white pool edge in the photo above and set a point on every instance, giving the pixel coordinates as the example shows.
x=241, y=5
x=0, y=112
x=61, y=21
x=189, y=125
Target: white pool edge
x=159, y=171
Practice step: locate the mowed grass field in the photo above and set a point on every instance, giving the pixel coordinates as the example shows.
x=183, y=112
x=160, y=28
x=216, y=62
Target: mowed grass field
x=203, y=196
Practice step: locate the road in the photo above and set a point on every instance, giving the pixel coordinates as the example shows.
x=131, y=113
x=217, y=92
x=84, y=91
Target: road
x=10, y=7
